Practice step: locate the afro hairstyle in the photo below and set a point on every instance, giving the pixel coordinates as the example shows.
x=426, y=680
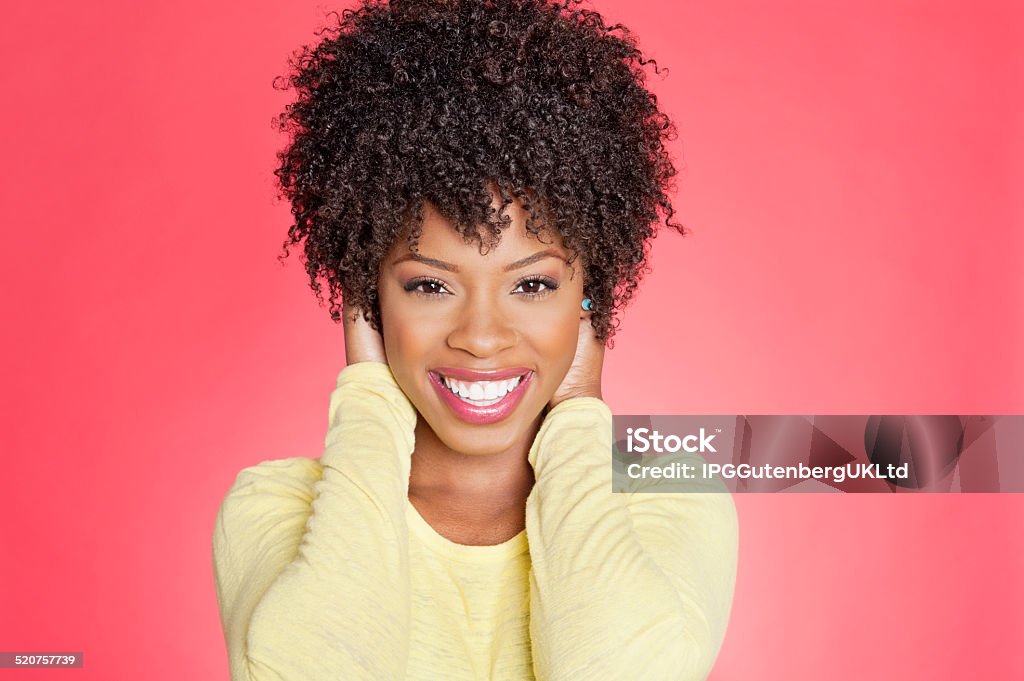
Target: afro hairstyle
x=447, y=101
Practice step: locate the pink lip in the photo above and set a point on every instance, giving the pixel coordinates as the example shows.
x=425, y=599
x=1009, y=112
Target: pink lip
x=472, y=413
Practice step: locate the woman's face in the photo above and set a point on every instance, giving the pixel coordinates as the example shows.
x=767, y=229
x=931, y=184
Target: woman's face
x=479, y=343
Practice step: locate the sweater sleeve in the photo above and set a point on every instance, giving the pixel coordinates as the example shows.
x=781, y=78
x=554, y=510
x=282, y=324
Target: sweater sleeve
x=311, y=558
x=623, y=585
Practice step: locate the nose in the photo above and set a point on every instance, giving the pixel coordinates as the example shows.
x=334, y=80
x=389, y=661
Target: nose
x=482, y=329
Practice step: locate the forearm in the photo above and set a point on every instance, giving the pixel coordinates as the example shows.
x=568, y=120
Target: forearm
x=623, y=586
x=338, y=606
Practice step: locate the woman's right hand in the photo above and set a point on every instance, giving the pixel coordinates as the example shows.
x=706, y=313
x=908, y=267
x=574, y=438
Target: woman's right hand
x=362, y=342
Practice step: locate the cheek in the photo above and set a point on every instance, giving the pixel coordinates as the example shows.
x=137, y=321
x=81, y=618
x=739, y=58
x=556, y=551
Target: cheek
x=401, y=343
x=405, y=351
x=554, y=334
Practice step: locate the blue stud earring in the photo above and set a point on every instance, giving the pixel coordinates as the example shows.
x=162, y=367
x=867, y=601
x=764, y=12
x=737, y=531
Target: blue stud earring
x=587, y=304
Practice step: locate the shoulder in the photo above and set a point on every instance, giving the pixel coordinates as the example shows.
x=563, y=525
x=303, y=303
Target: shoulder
x=291, y=477
x=260, y=524
x=266, y=494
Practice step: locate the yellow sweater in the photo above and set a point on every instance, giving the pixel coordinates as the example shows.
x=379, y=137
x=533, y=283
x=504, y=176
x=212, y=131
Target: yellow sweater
x=325, y=571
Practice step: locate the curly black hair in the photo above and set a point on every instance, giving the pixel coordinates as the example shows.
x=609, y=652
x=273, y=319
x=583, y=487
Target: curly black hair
x=443, y=100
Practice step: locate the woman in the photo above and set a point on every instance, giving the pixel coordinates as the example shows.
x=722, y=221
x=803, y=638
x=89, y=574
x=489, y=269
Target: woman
x=478, y=182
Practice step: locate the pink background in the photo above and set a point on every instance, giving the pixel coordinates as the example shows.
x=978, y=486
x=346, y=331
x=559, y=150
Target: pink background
x=857, y=248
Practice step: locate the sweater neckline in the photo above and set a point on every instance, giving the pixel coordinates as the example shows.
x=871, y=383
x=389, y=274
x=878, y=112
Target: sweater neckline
x=441, y=544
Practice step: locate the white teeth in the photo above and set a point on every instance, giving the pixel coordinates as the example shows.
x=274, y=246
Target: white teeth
x=481, y=393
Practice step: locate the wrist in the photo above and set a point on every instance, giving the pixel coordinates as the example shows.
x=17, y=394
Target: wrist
x=590, y=391
x=350, y=360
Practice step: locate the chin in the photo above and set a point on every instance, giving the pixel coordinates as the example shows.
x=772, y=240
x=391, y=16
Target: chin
x=474, y=440
x=482, y=440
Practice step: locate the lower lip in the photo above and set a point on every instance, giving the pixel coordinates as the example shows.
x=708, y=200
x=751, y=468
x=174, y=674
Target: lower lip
x=477, y=415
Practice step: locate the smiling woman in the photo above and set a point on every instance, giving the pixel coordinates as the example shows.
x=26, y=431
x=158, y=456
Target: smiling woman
x=457, y=332
x=460, y=522
x=473, y=319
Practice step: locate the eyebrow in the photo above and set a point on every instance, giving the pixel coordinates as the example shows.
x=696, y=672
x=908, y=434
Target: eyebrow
x=517, y=265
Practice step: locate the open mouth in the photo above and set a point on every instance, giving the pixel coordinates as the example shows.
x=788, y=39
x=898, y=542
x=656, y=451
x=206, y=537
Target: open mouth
x=481, y=393
x=481, y=401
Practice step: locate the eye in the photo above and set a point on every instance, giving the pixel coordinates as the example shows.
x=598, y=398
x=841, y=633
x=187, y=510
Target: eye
x=426, y=287
x=536, y=286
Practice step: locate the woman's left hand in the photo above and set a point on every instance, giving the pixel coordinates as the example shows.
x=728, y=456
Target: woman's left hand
x=584, y=377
